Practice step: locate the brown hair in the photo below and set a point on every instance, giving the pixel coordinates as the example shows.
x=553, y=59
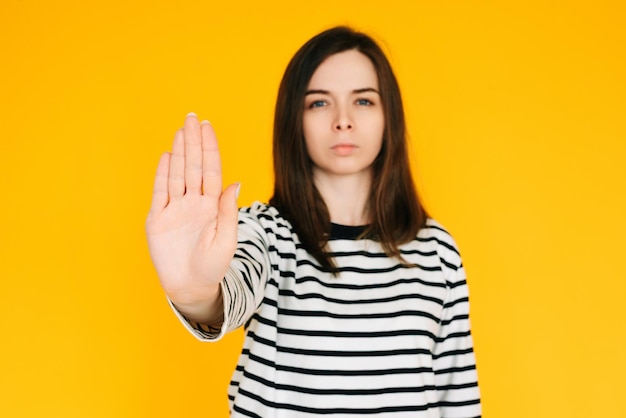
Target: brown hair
x=397, y=214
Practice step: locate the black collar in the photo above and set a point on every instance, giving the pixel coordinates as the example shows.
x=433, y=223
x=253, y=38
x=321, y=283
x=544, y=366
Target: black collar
x=338, y=231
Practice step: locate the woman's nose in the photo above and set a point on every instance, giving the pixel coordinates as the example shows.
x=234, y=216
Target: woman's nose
x=343, y=121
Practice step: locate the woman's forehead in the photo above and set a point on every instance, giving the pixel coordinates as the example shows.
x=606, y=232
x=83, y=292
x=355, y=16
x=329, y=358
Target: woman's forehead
x=348, y=70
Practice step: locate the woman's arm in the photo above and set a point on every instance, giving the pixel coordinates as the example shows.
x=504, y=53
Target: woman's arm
x=454, y=362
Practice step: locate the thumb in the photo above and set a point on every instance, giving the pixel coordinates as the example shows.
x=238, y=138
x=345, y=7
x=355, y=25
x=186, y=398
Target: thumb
x=228, y=216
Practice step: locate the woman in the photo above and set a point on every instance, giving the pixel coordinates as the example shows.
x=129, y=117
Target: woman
x=354, y=301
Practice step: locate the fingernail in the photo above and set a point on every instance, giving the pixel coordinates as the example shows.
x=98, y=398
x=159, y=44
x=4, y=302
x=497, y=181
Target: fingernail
x=191, y=114
x=205, y=121
x=237, y=191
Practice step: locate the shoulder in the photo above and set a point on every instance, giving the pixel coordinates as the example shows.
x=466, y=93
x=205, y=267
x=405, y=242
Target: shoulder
x=437, y=236
x=262, y=211
x=257, y=208
x=267, y=217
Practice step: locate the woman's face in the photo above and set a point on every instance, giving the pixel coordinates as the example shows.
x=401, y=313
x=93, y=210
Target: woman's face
x=343, y=119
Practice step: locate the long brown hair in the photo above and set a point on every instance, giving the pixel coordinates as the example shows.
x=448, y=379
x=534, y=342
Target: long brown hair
x=397, y=213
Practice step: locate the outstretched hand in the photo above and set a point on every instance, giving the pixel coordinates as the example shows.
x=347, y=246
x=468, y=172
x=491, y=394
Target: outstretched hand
x=192, y=224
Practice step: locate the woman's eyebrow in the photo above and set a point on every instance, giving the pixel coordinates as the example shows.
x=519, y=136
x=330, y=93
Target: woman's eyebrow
x=316, y=92
x=365, y=90
x=355, y=91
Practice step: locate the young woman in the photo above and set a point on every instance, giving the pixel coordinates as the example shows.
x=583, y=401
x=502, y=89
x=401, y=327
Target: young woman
x=354, y=301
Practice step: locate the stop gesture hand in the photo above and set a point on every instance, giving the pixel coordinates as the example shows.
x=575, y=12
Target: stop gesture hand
x=192, y=224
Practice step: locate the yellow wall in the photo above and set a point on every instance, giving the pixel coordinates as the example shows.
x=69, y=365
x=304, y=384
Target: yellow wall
x=517, y=118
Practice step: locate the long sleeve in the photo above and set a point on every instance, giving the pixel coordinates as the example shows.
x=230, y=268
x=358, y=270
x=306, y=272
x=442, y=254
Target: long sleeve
x=454, y=362
x=244, y=282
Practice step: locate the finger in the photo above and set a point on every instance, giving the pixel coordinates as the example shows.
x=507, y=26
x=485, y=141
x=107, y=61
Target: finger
x=193, y=155
x=160, y=195
x=226, y=233
x=176, y=176
x=211, y=162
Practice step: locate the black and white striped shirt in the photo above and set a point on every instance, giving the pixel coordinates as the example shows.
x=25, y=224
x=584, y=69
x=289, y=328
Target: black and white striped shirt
x=380, y=339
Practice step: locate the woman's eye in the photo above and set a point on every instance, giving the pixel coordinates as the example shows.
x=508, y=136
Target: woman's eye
x=317, y=103
x=364, y=102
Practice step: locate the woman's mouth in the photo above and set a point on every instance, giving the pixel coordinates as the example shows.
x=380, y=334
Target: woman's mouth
x=344, y=149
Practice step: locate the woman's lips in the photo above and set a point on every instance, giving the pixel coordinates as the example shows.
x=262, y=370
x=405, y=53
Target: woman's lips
x=344, y=149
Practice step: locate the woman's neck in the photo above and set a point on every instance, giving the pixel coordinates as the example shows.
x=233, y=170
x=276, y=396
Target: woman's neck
x=346, y=197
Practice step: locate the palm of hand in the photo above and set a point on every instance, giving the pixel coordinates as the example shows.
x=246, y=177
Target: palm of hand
x=192, y=224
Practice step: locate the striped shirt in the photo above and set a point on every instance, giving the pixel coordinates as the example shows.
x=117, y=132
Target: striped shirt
x=379, y=339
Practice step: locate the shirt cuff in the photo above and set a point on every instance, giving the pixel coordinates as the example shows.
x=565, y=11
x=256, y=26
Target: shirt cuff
x=201, y=331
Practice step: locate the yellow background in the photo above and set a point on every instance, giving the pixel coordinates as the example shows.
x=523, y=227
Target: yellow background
x=516, y=114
